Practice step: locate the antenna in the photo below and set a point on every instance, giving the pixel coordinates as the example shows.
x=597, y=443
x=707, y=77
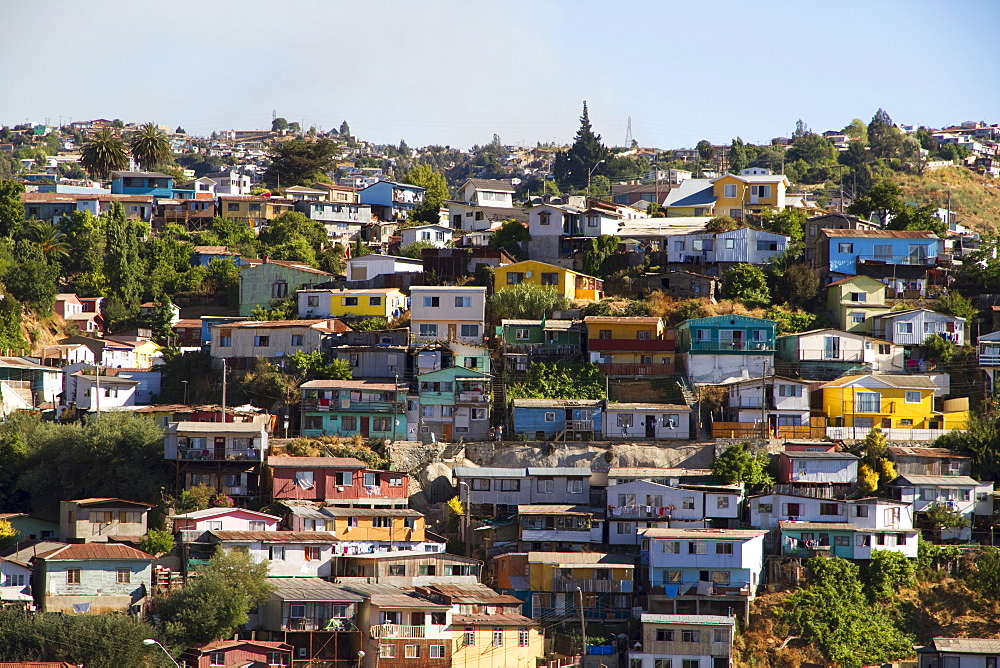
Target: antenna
x=628, y=133
x=274, y=114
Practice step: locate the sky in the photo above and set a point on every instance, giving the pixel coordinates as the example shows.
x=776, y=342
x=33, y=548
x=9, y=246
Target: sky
x=454, y=72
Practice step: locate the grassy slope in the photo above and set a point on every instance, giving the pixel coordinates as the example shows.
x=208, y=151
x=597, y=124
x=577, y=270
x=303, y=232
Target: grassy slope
x=976, y=199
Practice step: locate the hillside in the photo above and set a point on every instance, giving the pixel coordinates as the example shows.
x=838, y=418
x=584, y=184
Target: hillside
x=976, y=199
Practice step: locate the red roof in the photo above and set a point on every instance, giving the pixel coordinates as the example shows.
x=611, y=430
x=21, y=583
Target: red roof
x=316, y=462
x=228, y=644
x=95, y=551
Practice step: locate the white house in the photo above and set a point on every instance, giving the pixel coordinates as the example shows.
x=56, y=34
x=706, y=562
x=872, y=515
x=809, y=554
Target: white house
x=817, y=468
x=647, y=421
x=959, y=653
x=487, y=192
x=93, y=393
x=742, y=245
x=781, y=401
x=809, y=351
x=230, y=182
x=959, y=493
x=439, y=235
x=303, y=554
x=448, y=313
x=15, y=583
x=225, y=519
x=688, y=641
x=912, y=327
x=643, y=504
x=367, y=267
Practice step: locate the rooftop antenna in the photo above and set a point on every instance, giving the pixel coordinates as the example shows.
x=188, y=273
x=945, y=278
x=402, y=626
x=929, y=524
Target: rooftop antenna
x=628, y=134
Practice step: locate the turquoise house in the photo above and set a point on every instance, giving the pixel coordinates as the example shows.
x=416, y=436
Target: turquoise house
x=269, y=280
x=374, y=409
x=452, y=404
x=726, y=347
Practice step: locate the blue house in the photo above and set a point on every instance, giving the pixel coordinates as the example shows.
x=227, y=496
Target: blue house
x=390, y=200
x=144, y=183
x=841, y=251
x=727, y=347
x=209, y=321
x=556, y=419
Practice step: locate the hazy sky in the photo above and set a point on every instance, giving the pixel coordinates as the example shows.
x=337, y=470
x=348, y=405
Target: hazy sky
x=455, y=72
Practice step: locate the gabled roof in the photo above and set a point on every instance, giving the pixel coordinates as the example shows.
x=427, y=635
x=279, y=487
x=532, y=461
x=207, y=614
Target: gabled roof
x=221, y=645
x=311, y=589
x=556, y=403
x=688, y=620
x=896, y=314
x=691, y=193
x=681, y=408
x=806, y=454
x=704, y=534
x=107, y=551
x=937, y=481
x=493, y=185
x=351, y=385
x=107, y=501
x=848, y=279
x=880, y=234
x=275, y=536
x=890, y=380
x=300, y=266
x=964, y=645
x=215, y=512
x=316, y=462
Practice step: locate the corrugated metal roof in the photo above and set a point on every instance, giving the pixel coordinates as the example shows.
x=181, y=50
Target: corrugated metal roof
x=967, y=645
x=556, y=403
x=620, y=560
x=554, y=509
x=311, y=589
x=707, y=620
x=937, y=480
x=898, y=381
x=703, y=534
x=387, y=596
x=276, y=536
x=818, y=455
x=213, y=512
x=350, y=385
x=213, y=427
x=622, y=320
x=488, y=472
x=370, y=512
x=648, y=407
x=926, y=452
x=495, y=619
x=819, y=526
x=883, y=234
x=101, y=501
x=78, y=551
x=560, y=471
x=316, y=462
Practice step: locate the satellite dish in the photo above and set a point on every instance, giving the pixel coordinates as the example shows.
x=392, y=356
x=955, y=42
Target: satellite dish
x=515, y=182
x=527, y=274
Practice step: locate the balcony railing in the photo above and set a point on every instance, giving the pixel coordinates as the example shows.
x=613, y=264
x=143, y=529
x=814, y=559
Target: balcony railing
x=541, y=348
x=725, y=346
x=639, y=345
x=350, y=405
x=573, y=612
x=472, y=398
x=623, y=369
x=314, y=624
x=581, y=425
x=202, y=454
x=989, y=359
x=399, y=631
x=592, y=586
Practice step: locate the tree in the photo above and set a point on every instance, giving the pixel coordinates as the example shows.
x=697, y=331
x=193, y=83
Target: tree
x=857, y=130
x=360, y=248
x=601, y=248
x=812, y=148
x=50, y=239
x=884, y=137
x=738, y=160
x=513, y=237
x=940, y=349
x=721, y=224
x=955, y=304
x=11, y=207
x=705, y=150
x=798, y=285
x=11, y=333
x=345, y=130
x=299, y=162
x=739, y=464
x=369, y=324
x=122, y=264
x=149, y=147
x=415, y=250
x=32, y=279
x=789, y=222
x=157, y=542
x=573, y=168
x=882, y=200
x=524, y=301
x=279, y=124
x=885, y=573
x=311, y=366
x=940, y=516
x=435, y=193
x=868, y=479
x=8, y=534
x=986, y=578
x=562, y=380
x=917, y=218
x=104, y=153
x=747, y=283
x=833, y=614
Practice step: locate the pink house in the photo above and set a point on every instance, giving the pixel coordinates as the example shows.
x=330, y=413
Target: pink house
x=335, y=479
x=226, y=519
x=85, y=312
x=238, y=654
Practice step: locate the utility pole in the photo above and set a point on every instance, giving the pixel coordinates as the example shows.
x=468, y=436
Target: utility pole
x=583, y=629
x=223, y=389
x=763, y=401
x=97, y=396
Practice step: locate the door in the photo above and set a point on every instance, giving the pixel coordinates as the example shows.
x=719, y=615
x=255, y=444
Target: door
x=446, y=431
x=650, y=426
x=364, y=425
x=451, y=332
x=220, y=447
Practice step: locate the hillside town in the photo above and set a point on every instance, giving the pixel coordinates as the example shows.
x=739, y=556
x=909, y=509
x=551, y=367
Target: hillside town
x=289, y=397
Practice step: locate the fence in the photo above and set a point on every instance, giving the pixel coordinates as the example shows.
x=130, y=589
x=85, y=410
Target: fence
x=754, y=430
x=892, y=434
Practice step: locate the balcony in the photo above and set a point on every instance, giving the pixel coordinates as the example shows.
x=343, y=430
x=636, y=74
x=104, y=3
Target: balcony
x=621, y=369
x=210, y=455
x=990, y=358
x=558, y=535
x=325, y=405
x=401, y=631
x=315, y=624
x=733, y=346
x=629, y=345
x=573, y=612
x=581, y=425
x=472, y=398
x=592, y=586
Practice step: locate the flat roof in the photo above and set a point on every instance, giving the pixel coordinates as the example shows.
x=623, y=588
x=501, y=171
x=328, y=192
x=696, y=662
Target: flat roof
x=311, y=589
x=705, y=620
x=703, y=534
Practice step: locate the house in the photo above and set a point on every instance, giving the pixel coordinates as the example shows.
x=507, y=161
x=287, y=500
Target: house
x=913, y=327
x=242, y=343
x=548, y=223
x=830, y=221
x=631, y=346
x=254, y=210
x=317, y=618
x=635, y=421
x=715, y=253
x=142, y=183
x=368, y=267
x=238, y=653
x=558, y=528
x=749, y=193
x=448, y=313
x=439, y=235
x=225, y=519
x=187, y=333
x=525, y=342
x=226, y=456
x=770, y=405
x=682, y=284
x=495, y=193
x=287, y=553
x=452, y=403
x=619, y=475
x=338, y=481
x=929, y=461
x=390, y=200
x=481, y=203
x=15, y=582
x=201, y=256
x=844, y=539
x=100, y=520
x=363, y=530
x=692, y=641
x=488, y=628
x=376, y=361
x=556, y=419
x=906, y=402
x=92, y=578
x=450, y=264
x=402, y=626
x=826, y=354
x=639, y=504
x=270, y=280
x=704, y=571
x=506, y=489
x=811, y=468
x=109, y=352
x=724, y=347
x=959, y=653
x=958, y=493
x=25, y=384
x=855, y=301
x=552, y=584
x=691, y=198
x=347, y=407
x=988, y=353
x=342, y=220
x=388, y=303
x=30, y=528
x=405, y=567
x=302, y=193
x=840, y=251
x=190, y=213
x=570, y=284
x=230, y=182
x=61, y=355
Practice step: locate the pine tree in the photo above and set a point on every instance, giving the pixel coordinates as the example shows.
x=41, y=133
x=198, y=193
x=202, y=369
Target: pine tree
x=121, y=261
x=884, y=138
x=737, y=156
x=345, y=130
x=573, y=167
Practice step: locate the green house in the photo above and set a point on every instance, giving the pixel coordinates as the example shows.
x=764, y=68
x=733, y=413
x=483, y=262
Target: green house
x=524, y=342
x=452, y=404
x=267, y=280
x=374, y=409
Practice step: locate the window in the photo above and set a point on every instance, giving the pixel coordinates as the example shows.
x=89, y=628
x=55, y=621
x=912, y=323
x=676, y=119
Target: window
x=498, y=636
x=480, y=484
x=671, y=547
x=690, y=663
x=730, y=243
x=697, y=547
x=845, y=248
x=545, y=485
x=279, y=289
x=574, y=486
x=859, y=297
x=720, y=635
x=765, y=245
x=381, y=424
x=906, y=422
x=479, y=414
x=428, y=329
x=842, y=541
x=688, y=503
x=544, y=218
x=793, y=509
x=217, y=658
x=277, y=553
x=296, y=339
x=867, y=402
x=857, y=317
x=470, y=636
x=437, y=651
x=883, y=252
x=349, y=423
x=523, y=637
x=412, y=651
x=829, y=509
x=432, y=302
x=661, y=663
x=550, y=278
x=124, y=576
x=313, y=552
x=723, y=548
x=463, y=302
x=672, y=576
x=664, y=635
x=387, y=651
x=510, y=485
x=469, y=330
x=447, y=411
x=350, y=301
x=225, y=338
x=679, y=245
x=790, y=390
x=515, y=278
x=397, y=569
x=624, y=528
x=904, y=328
x=14, y=580
x=913, y=397
x=644, y=335
x=729, y=191
x=382, y=522
x=765, y=508
x=550, y=417
x=73, y=576
x=624, y=420
x=861, y=511
x=261, y=341
x=521, y=334
x=690, y=635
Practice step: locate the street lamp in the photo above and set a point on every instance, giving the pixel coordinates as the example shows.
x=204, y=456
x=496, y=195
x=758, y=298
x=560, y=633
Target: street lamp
x=590, y=172
x=185, y=392
x=361, y=657
x=150, y=641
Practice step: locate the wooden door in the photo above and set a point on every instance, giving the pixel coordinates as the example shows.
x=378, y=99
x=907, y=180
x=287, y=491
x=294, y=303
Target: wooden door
x=650, y=426
x=446, y=433
x=364, y=426
x=220, y=447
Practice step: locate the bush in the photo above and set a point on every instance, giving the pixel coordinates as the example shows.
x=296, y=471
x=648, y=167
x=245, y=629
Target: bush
x=157, y=542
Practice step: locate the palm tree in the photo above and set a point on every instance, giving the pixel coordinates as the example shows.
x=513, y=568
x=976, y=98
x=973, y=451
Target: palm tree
x=149, y=147
x=51, y=240
x=104, y=153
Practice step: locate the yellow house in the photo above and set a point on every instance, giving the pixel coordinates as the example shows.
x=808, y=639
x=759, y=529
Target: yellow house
x=889, y=401
x=396, y=525
x=854, y=301
x=631, y=341
x=740, y=195
x=374, y=303
x=571, y=284
x=144, y=352
x=509, y=640
x=254, y=209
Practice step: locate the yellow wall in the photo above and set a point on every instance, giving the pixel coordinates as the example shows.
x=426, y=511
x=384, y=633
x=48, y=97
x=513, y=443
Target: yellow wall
x=540, y=576
x=566, y=279
x=485, y=655
x=387, y=303
x=742, y=200
x=624, y=330
x=365, y=530
x=838, y=300
x=144, y=353
x=839, y=402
